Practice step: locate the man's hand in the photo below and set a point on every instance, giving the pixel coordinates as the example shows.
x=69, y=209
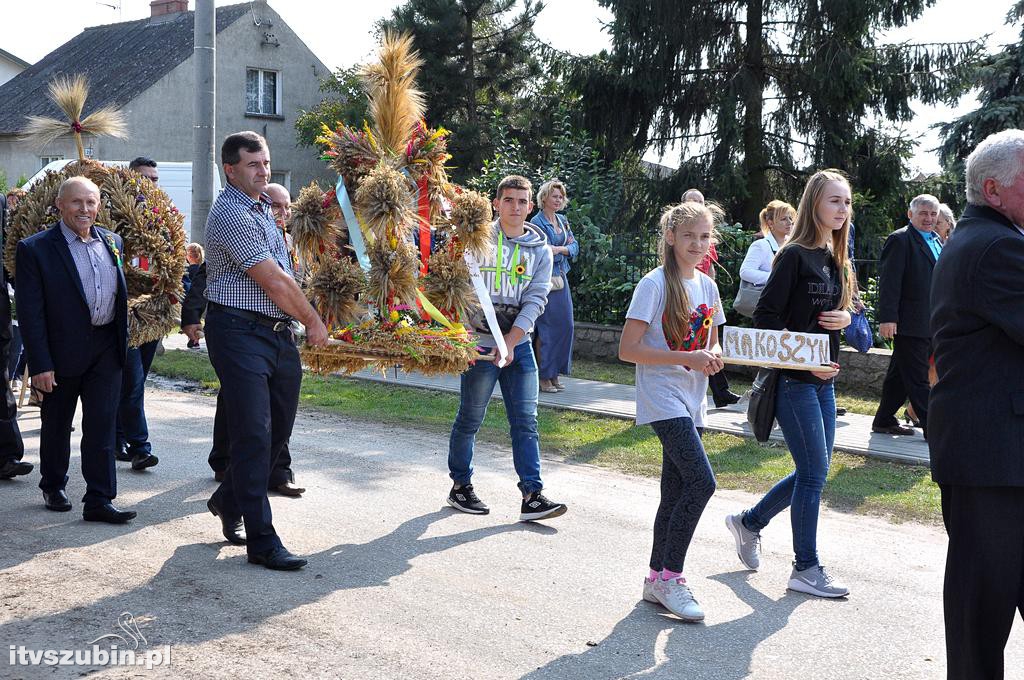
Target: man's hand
x=193, y=331
x=316, y=332
x=44, y=382
x=887, y=330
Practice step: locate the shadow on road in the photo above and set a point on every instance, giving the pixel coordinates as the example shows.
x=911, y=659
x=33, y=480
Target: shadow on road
x=650, y=643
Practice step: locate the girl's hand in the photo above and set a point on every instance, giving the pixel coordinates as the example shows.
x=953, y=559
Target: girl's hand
x=827, y=373
x=697, y=360
x=715, y=366
x=834, y=321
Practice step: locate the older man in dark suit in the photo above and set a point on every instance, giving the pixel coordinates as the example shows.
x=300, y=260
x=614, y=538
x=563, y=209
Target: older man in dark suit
x=976, y=431
x=904, y=285
x=74, y=319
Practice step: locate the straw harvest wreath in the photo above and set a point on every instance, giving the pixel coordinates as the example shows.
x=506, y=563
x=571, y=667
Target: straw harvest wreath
x=131, y=206
x=385, y=300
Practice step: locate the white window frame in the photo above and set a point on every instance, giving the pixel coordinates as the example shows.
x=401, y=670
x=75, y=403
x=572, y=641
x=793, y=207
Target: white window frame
x=46, y=160
x=259, y=97
x=284, y=175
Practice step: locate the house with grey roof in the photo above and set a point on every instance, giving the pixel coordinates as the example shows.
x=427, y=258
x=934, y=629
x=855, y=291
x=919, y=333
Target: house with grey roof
x=265, y=75
x=10, y=65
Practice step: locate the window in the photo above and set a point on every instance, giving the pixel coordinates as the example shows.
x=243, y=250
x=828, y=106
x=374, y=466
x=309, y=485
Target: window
x=282, y=177
x=46, y=160
x=261, y=92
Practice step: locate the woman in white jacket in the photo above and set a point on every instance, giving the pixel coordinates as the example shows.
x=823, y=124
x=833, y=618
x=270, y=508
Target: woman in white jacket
x=776, y=222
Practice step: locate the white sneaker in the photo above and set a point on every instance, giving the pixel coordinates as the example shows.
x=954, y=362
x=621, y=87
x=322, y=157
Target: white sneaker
x=649, y=590
x=676, y=597
x=816, y=581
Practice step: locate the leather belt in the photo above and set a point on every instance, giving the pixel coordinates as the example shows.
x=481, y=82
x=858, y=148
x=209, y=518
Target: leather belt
x=277, y=325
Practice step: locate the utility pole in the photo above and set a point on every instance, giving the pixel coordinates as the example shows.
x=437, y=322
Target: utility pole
x=204, y=130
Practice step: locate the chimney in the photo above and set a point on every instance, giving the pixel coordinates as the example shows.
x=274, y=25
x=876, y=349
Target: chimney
x=159, y=8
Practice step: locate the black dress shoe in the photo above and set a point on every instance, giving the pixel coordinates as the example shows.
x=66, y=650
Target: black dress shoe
x=107, y=513
x=840, y=411
x=289, y=489
x=727, y=399
x=141, y=461
x=892, y=429
x=233, y=530
x=123, y=456
x=278, y=558
x=218, y=475
x=56, y=501
x=14, y=468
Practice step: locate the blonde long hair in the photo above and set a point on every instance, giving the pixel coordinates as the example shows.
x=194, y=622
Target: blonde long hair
x=807, y=233
x=677, y=303
x=773, y=211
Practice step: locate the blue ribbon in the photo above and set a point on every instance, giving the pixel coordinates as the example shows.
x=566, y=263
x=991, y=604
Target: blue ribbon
x=355, y=232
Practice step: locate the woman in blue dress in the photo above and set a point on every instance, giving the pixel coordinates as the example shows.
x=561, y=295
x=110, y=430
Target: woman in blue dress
x=554, y=330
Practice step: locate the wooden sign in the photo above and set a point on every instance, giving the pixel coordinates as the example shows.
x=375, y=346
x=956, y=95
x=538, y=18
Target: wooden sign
x=775, y=349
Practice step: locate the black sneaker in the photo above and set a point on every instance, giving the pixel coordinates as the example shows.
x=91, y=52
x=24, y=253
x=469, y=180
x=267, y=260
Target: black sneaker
x=465, y=499
x=536, y=506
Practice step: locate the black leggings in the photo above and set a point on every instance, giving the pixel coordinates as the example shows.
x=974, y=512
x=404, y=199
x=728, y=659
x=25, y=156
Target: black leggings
x=687, y=484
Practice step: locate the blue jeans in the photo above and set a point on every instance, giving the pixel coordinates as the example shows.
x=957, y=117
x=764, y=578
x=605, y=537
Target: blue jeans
x=519, y=387
x=132, y=427
x=807, y=416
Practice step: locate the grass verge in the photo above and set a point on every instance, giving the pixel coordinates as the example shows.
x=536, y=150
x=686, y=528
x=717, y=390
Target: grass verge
x=855, y=484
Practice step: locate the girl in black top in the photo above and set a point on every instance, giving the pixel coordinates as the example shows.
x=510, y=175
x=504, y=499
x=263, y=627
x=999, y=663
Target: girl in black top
x=810, y=290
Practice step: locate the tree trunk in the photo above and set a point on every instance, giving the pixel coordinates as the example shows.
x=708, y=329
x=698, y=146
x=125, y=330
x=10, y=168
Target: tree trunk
x=753, y=82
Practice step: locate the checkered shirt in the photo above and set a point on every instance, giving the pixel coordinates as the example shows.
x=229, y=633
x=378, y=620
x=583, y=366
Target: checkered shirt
x=97, y=270
x=241, y=233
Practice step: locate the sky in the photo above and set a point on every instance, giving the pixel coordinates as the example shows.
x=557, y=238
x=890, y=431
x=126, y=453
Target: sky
x=33, y=29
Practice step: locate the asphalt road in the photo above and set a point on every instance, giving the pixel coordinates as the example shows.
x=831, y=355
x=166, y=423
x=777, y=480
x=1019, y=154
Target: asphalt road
x=401, y=586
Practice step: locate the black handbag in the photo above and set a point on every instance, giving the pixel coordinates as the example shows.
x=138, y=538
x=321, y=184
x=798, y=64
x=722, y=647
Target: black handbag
x=761, y=407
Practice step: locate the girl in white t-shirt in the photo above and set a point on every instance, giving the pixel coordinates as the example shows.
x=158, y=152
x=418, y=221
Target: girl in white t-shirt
x=671, y=334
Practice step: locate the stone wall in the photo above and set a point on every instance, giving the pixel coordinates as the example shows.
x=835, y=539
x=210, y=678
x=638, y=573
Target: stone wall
x=861, y=372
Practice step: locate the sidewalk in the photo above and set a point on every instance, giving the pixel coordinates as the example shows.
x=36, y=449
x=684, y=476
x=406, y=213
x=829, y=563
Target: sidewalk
x=853, y=432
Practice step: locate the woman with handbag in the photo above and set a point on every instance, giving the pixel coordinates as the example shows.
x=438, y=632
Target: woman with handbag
x=809, y=290
x=671, y=334
x=554, y=328
x=776, y=223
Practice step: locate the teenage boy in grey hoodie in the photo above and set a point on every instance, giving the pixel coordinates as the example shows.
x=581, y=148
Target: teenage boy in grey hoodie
x=517, y=273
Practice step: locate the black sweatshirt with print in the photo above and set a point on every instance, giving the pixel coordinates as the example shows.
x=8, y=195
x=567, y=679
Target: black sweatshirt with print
x=803, y=284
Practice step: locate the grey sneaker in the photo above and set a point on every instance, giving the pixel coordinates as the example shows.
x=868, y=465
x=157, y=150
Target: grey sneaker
x=676, y=597
x=748, y=543
x=649, y=590
x=816, y=581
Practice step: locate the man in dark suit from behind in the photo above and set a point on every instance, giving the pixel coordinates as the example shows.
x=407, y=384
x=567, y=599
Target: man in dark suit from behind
x=73, y=305
x=904, y=286
x=976, y=427
x=12, y=449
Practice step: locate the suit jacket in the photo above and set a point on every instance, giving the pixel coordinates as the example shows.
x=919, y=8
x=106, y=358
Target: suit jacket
x=194, y=305
x=53, y=314
x=905, y=283
x=976, y=409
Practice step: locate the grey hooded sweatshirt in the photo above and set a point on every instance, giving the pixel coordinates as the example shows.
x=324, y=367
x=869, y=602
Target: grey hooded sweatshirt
x=518, y=277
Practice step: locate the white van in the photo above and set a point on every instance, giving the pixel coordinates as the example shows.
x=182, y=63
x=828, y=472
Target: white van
x=175, y=180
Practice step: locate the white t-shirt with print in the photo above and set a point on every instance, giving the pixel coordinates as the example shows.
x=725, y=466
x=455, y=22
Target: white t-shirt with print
x=673, y=391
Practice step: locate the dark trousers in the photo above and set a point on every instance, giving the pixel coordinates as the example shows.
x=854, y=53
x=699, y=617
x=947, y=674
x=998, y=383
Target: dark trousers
x=11, y=446
x=260, y=375
x=132, y=428
x=984, y=584
x=99, y=388
x=220, y=459
x=907, y=377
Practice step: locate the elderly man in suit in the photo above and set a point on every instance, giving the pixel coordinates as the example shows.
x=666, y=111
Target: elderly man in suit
x=976, y=432
x=904, y=286
x=73, y=300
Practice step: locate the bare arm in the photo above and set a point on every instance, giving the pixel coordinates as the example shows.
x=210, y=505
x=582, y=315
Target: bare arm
x=281, y=288
x=631, y=349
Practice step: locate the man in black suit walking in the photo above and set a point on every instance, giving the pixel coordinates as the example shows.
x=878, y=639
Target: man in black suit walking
x=11, y=446
x=976, y=432
x=73, y=305
x=904, y=286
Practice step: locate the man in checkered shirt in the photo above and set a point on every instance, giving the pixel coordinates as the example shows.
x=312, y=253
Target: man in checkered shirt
x=253, y=299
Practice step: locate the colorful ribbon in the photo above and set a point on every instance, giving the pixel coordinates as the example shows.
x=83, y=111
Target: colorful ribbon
x=423, y=209
x=355, y=230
